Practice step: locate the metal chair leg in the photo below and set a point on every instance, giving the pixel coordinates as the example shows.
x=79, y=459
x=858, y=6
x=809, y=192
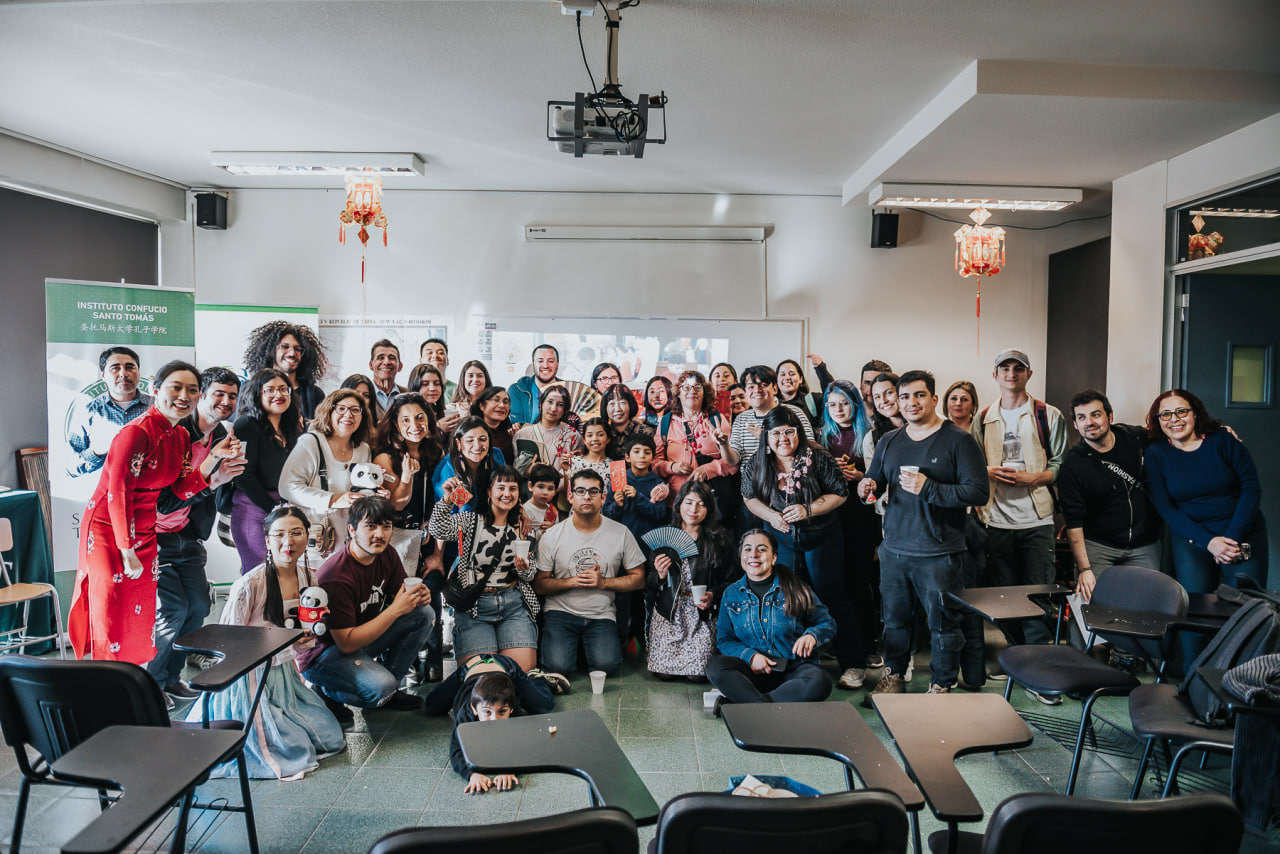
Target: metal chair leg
x=180, y=832
x=1142, y=769
x=24, y=793
x=250, y=826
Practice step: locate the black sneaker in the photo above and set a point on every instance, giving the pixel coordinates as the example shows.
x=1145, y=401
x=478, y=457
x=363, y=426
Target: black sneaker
x=403, y=701
x=346, y=717
x=557, y=683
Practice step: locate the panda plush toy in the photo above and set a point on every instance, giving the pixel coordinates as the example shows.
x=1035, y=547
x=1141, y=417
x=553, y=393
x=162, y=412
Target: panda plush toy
x=367, y=478
x=311, y=613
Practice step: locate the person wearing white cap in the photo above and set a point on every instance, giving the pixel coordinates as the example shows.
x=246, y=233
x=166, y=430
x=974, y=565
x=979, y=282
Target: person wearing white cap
x=1025, y=441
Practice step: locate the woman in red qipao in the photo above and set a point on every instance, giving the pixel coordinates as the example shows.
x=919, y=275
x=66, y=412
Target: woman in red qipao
x=113, y=610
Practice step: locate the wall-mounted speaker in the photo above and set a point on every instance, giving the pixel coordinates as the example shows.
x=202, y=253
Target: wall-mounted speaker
x=884, y=230
x=211, y=211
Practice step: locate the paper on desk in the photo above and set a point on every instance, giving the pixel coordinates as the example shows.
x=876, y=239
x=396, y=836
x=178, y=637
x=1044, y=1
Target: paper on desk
x=1076, y=601
x=750, y=787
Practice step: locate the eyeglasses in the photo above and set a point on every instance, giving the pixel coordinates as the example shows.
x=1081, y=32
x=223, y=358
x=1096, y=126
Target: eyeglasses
x=784, y=433
x=585, y=492
x=286, y=348
x=281, y=536
x=347, y=410
x=1170, y=414
x=277, y=392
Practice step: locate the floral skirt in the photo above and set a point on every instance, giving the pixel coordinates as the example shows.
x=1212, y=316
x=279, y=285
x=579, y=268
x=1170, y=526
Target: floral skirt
x=682, y=645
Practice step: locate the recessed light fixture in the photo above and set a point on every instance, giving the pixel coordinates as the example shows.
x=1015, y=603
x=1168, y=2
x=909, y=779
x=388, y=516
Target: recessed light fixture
x=297, y=163
x=1241, y=213
x=970, y=196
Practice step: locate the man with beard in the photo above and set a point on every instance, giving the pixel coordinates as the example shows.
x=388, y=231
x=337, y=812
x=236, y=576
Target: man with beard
x=376, y=624
x=526, y=392
x=182, y=589
x=95, y=424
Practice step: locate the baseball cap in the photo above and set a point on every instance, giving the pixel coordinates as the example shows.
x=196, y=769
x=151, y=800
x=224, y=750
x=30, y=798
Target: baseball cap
x=1015, y=355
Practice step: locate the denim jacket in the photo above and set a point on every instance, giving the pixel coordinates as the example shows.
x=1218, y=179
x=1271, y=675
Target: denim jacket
x=747, y=626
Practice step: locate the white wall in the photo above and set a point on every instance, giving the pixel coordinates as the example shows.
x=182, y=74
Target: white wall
x=455, y=254
x=1140, y=362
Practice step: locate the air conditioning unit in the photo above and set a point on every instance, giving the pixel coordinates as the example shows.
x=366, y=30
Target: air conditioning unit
x=652, y=233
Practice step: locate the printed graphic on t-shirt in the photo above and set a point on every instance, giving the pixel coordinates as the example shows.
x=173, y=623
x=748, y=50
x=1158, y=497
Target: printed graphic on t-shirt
x=1012, y=447
x=375, y=598
x=585, y=558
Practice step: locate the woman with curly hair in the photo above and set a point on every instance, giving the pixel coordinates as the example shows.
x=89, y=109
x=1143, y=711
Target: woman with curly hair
x=294, y=350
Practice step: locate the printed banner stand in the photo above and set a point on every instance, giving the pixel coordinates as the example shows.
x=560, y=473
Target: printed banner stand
x=82, y=320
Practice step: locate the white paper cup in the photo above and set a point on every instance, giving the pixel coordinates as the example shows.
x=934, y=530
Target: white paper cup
x=597, y=681
x=411, y=581
x=699, y=590
x=909, y=469
x=521, y=549
x=1016, y=465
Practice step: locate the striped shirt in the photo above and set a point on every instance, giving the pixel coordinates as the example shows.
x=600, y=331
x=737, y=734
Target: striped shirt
x=101, y=419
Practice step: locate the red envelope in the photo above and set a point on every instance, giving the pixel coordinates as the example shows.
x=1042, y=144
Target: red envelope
x=551, y=514
x=618, y=475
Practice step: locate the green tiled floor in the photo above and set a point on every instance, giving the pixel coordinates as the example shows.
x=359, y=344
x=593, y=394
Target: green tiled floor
x=395, y=774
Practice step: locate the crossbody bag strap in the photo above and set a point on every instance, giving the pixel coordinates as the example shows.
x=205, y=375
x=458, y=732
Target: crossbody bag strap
x=324, y=465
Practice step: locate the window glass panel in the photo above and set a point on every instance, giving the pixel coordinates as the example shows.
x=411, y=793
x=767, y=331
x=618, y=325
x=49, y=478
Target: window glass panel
x=1249, y=374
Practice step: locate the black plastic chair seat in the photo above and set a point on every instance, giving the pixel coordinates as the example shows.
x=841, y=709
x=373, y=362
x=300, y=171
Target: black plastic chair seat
x=598, y=830
x=1061, y=670
x=967, y=842
x=1158, y=711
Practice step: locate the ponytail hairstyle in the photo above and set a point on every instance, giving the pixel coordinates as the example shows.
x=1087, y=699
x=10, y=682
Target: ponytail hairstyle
x=798, y=601
x=273, y=608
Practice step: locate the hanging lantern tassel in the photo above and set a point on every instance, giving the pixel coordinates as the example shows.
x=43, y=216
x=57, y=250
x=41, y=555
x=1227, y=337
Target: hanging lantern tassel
x=979, y=252
x=364, y=208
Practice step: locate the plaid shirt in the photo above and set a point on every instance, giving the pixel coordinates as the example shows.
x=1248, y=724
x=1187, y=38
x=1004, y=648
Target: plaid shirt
x=102, y=414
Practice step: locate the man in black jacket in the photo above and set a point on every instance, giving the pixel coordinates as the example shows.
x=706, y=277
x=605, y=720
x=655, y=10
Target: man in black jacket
x=1110, y=518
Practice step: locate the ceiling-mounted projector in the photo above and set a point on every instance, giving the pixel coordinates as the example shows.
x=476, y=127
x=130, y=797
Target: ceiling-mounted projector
x=607, y=122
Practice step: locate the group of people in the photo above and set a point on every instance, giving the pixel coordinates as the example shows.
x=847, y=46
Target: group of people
x=565, y=539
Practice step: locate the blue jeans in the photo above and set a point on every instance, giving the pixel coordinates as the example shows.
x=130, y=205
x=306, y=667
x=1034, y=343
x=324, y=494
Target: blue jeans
x=561, y=632
x=818, y=558
x=1198, y=572
x=182, y=602
x=801, y=682
x=929, y=578
x=367, y=679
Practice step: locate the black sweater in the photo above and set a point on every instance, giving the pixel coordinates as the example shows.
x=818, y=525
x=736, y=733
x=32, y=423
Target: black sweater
x=1112, y=509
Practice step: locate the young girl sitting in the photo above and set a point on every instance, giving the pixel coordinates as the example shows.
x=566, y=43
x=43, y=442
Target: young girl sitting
x=768, y=632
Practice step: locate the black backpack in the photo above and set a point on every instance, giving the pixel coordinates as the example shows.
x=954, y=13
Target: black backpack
x=1252, y=631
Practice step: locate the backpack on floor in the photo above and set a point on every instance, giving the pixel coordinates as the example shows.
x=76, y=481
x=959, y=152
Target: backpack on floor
x=1252, y=631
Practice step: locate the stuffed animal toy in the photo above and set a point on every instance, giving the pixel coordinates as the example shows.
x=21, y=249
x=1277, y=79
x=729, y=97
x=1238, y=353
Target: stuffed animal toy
x=311, y=613
x=367, y=478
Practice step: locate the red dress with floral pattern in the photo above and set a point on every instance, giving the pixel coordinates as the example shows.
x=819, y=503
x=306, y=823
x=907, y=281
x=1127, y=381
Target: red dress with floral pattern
x=113, y=616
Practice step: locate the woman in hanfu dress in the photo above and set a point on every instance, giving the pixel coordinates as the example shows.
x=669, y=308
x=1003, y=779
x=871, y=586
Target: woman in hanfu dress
x=113, y=609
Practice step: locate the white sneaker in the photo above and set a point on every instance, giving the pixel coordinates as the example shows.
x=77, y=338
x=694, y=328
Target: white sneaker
x=911, y=669
x=938, y=689
x=1047, y=699
x=852, y=678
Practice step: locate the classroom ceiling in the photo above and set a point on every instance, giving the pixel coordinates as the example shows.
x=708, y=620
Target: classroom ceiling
x=824, y=97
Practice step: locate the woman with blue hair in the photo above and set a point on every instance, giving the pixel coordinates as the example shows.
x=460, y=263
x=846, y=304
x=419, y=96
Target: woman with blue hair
x=844, y=427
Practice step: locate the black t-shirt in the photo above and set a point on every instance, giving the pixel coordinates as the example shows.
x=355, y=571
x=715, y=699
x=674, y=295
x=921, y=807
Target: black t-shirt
x=1105, y=493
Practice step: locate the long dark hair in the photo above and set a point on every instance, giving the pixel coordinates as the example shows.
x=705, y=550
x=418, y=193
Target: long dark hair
x=880, y=425
x=713, y=539
x=798, y=598
x=250, y=406
x=261, y=351
x=563, y=394
x=273, y=608
x=801, y=390
x=389, y=441
x=415, y=384
x=765, y=469
x=649, y=411
x=479, y=483
x=500, y=474
x=477, y=406
x=1205, y=424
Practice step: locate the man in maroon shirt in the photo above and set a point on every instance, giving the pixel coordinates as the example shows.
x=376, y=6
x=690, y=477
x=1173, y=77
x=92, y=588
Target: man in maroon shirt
x=376, y=624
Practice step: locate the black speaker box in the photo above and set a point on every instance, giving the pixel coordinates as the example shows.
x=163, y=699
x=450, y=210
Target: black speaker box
x=884, y=230
x=211, y=211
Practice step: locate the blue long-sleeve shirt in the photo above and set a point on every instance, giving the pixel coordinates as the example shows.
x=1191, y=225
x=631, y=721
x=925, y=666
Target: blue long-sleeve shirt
x=1210, y=492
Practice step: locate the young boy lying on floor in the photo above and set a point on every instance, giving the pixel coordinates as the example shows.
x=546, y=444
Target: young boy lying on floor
x=487, y=688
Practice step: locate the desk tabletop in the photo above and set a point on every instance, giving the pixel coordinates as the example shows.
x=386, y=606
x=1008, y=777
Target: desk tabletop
x=580, y=745
x=1007, y=603
x=153, y=766
x=1121, y=621
x=932, y=731
x=835, y=730
x=1210, y=606
x=239, y=649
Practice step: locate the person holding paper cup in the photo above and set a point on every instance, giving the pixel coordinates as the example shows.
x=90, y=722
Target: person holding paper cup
x=494, y=572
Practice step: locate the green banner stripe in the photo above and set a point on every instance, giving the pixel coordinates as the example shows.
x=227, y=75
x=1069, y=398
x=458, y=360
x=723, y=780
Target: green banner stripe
x=96, y=314
x=279, y=309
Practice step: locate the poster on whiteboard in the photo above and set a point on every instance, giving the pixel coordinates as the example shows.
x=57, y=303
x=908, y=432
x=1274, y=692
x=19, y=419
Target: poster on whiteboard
x=222, y=334
x=87, y=405
x=348, y=339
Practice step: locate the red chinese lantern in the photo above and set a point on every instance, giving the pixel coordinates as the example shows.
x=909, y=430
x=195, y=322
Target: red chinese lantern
x=364, y=208
x=979, y=252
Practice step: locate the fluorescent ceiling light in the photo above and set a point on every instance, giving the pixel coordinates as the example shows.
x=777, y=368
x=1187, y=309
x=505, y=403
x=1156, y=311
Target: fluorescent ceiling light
x=1242, y=213
x=260, y=163
x=969, y=196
